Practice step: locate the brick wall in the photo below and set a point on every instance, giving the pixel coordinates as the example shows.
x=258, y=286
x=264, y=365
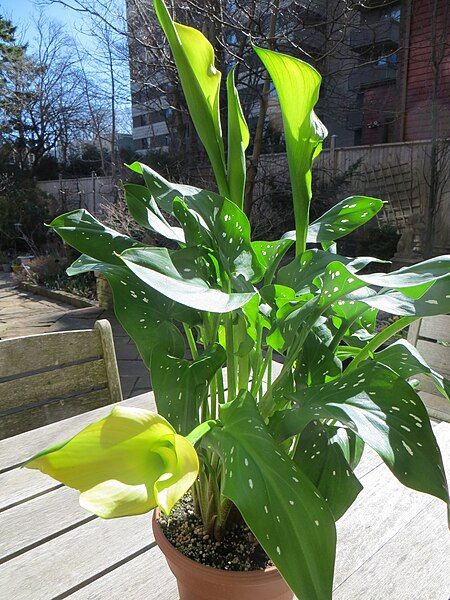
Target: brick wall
x=419, y=72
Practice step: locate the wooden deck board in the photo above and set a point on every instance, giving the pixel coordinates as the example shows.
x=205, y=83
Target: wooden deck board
x=381, y=511
x=412, y=565
x=66, y=562
x=145, y=577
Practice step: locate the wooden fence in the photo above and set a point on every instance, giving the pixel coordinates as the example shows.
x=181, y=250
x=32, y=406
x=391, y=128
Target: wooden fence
x=84, y=192
x=398, y=173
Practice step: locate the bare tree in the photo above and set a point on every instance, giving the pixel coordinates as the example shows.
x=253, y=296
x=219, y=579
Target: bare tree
x=43, y=105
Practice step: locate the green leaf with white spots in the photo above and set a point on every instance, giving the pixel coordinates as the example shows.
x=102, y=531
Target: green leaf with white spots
x=289, y=321
x=270, y=254
x=181, y=386
x=144, y=313
x=222, y=224
x=281, y=506
x=316, y=362
x=405, y=360
x=238, y=139
x=155, y=268
x=321, y=459
x=384, y=410
x=413, y=281
x=342, y=218
x=86, y=234
x=303, y=270
x=146, y=212
x=435, y=301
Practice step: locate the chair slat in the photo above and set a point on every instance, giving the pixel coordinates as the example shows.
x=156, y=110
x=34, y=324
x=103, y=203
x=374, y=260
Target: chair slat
x=37, y=352
x=41, y=387
x=53, y=376
x=44, y=414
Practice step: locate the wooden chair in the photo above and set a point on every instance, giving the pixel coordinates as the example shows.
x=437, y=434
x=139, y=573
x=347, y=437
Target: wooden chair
x=431, y=336
x=53, y=376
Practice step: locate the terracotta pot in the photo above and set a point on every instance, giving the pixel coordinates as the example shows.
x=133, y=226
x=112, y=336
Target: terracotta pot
x=199, y=582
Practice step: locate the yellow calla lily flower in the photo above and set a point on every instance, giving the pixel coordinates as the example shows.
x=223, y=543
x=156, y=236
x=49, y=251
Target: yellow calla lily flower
x=125, y=464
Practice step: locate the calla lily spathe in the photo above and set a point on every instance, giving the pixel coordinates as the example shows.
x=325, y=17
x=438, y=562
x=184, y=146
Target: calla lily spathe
x=125, y=464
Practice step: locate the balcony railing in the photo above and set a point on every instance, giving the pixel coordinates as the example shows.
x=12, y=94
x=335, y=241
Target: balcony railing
x=312, y=7
x=370, y=75
x=385, y=32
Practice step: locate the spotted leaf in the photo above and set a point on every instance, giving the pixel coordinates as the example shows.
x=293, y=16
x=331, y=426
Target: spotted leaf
x=281, y=506
x=154, y=267
x=319, y=455
x=406, y=361
x=303, y=270
x=384, y=410
x=86, y=234
x=226, y=225
x=181, y=385
x=144, y=313
x=147, y=213
x=342, y=218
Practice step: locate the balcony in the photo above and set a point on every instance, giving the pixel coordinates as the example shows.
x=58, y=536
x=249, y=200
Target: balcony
x=383, y=33
x=313, y=8
x=375, y=4
x=371, y=75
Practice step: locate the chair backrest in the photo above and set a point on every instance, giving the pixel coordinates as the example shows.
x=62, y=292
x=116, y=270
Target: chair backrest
x=53, y=376
x=431, y=336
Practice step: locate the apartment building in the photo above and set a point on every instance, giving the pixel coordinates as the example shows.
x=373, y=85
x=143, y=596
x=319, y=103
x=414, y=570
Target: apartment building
x=375, y=57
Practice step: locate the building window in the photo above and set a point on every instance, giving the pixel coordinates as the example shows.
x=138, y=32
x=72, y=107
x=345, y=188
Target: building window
x=395, y=14
x=391, y=60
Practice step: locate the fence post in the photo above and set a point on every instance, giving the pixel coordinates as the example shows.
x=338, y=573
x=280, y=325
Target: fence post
x=61, y=194
x=93, y=193
x=333, y=165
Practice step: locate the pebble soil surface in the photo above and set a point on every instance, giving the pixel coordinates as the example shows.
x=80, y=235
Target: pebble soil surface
x=237, y=551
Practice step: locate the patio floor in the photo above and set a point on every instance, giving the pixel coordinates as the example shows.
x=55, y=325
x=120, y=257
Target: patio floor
x=23, y=313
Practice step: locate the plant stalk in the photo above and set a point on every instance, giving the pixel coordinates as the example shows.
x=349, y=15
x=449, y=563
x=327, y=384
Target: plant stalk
x=378, y=340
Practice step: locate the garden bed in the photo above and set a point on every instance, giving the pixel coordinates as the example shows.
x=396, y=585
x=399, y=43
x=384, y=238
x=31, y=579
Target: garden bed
x=59, y=295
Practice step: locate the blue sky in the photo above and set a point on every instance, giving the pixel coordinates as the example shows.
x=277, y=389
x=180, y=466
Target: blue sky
x=22, y=12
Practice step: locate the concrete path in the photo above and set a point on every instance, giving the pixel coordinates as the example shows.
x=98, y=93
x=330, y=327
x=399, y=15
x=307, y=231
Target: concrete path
x=23, y=313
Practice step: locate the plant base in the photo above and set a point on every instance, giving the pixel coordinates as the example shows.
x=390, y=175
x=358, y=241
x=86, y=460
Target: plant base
x=199, y=582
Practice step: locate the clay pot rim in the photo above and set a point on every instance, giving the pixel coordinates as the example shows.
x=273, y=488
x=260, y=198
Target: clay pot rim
x=166, y=546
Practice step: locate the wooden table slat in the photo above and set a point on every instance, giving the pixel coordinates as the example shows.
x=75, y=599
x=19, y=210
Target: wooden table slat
x=145, y=577
x=413, y=565
x=68, y=561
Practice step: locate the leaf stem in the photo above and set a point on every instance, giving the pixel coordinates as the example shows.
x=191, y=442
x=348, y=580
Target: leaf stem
x=191, y=341
x=231, y=362
x=378, y=340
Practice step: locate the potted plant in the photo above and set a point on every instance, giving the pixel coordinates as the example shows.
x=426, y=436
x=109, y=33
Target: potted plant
x=245, y=447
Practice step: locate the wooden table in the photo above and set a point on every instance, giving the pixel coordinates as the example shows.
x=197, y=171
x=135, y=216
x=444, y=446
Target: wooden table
x=393, y=543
